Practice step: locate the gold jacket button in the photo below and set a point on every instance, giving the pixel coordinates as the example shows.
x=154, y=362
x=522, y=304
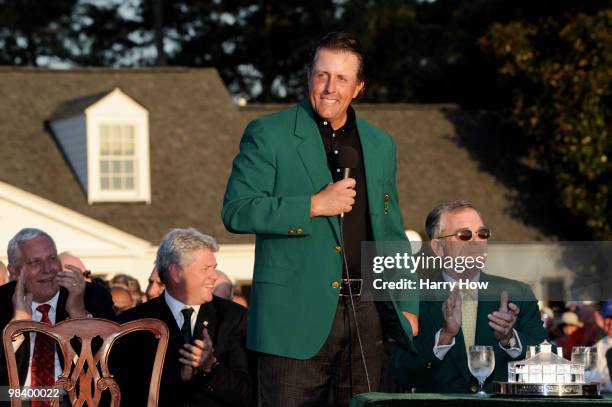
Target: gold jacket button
x=335, y=285
x=473, y=388
x=429, y=365
x=292, y=231
x=338, y=249
x=299, y=231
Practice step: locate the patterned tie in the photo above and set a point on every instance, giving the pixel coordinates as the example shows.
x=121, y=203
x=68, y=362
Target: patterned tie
x=43, y=359
x=186, y=329
x=469, y=308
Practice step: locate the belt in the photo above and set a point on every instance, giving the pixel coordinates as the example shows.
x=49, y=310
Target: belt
x=355, y=287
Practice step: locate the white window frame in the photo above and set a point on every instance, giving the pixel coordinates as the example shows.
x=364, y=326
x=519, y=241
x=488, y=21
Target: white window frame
x=142, y=179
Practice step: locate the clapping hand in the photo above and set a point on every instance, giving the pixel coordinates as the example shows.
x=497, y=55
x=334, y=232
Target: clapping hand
x=503, y=320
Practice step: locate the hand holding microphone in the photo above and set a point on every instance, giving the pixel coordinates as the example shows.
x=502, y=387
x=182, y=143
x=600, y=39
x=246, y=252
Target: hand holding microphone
x=337, y=198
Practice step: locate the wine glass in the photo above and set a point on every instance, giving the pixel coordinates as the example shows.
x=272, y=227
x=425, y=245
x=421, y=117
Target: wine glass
x=481, y=361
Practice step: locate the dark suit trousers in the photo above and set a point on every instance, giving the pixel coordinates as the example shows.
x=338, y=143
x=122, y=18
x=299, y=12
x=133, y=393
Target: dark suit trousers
x=336, y=372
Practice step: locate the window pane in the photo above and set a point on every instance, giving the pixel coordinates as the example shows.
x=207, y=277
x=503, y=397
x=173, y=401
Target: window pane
x=103, y=167
x=129, y=183
x=116, y=182
x=128, y=167
x=116, y=167
x=104, y=184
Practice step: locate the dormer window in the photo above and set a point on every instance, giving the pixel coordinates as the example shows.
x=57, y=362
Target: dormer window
x=118, y=158
x=105, y=138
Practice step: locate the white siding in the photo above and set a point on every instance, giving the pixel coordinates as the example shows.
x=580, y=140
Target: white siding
x=71, y=135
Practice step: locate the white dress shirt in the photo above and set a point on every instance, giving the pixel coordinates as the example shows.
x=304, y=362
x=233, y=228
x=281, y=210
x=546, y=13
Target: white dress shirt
x=176, y=307
x=440, y=351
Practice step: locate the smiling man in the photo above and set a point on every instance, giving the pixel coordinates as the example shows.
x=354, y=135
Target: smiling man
x=206, y=361
x=41, y=291
x=287, y=187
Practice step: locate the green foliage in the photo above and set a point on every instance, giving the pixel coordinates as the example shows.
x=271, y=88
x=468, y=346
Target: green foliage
x=561, y=70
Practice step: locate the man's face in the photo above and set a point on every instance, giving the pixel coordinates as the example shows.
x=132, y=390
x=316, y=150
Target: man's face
x=197, y=279
x=40, y=262
x=607, y=325
x=454, y=247
x=155, y=287
x=333, y=84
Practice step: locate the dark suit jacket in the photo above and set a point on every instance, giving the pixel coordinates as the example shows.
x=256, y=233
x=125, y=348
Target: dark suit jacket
x=98, y=303
x=427, y=373
x=228, y=384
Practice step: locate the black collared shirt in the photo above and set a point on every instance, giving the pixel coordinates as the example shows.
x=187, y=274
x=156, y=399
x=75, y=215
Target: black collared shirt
x=356, y=225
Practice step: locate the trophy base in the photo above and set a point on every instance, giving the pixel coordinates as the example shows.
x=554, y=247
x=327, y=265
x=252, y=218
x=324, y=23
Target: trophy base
x=585, y=390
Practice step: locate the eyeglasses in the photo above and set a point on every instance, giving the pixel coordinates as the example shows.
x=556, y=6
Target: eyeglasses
x=466, y=234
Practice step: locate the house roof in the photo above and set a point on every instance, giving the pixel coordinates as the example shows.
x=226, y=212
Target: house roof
x=194, y=134
x=77, y=106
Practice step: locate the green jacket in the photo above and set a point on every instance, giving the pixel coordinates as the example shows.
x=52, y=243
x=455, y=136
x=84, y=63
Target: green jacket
x=425, y=372
x=281, y=163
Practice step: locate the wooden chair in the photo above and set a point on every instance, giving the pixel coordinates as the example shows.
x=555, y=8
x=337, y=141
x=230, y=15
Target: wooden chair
x=87, y=370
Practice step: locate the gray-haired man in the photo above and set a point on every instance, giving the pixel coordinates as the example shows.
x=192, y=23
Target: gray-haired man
x=206, y=361
x=41, y=291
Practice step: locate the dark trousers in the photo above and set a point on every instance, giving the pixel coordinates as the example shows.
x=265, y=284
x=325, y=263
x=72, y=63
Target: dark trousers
x=336, y=373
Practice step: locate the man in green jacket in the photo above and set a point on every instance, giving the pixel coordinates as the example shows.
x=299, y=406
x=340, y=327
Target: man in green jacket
x=288, y=187
x=502, y=313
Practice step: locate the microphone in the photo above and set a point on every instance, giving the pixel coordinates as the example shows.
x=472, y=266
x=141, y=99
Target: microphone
x=348, y=159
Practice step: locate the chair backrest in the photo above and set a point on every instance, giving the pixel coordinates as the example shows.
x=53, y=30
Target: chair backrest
x=87, y=370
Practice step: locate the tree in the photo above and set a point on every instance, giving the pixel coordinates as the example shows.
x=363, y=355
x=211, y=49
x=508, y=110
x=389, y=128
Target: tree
x=32, y=29
x=561, y=71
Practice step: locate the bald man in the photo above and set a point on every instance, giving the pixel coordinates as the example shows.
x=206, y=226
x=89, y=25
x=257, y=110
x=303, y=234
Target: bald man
x=223, y=286
x=72, y=263
x=122, y=299
x=3, y=274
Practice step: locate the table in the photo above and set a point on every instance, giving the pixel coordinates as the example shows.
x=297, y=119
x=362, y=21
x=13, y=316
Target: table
x=467, y=400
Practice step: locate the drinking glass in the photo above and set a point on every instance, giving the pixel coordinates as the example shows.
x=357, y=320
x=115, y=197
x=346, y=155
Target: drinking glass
x=481, y=362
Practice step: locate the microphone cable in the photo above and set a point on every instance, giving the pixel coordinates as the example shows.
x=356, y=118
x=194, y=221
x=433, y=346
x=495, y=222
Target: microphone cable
x=348, y=277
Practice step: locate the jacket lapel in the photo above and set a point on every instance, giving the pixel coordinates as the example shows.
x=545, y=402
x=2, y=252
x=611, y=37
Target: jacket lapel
x=373, y=170
x=207, y=318
x=312, y=153
x=488, y=302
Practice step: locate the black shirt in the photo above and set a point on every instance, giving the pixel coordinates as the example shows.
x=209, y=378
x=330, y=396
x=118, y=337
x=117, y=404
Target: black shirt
x=356, y=225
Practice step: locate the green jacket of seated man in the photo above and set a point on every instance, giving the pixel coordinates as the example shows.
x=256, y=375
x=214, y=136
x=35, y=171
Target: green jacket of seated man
x=423, y=371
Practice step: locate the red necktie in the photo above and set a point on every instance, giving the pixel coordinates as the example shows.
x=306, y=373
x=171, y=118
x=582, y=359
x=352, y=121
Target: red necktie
x=43, y=359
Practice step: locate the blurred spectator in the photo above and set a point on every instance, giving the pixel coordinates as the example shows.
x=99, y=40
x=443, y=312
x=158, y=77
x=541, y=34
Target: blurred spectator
x=155, y=287
x=73, y=263
x=240, y=299
x=571, y=332
x=548, y=318
x=223, y=286
x=591, y=333
x=129, y=283
x=603, y=347
x=122, y=299
x=4, y=277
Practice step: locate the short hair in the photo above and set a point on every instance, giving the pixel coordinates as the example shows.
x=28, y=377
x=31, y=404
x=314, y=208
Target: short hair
x=123, y=280
x=176, y=247
x=433, y=224
x=343, y=42
x=13, y=251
